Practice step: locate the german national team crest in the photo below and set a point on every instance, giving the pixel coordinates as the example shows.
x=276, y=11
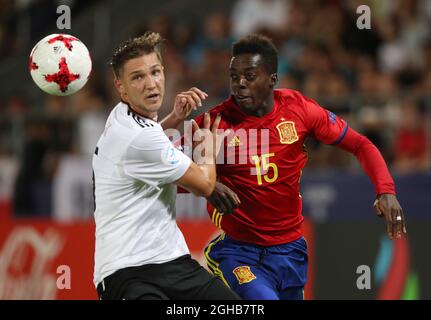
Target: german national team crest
x=243, y=274
x=287, y=132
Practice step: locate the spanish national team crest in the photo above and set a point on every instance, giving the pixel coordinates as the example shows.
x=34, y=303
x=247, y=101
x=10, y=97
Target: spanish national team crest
x=287, y=132
x=243, y=274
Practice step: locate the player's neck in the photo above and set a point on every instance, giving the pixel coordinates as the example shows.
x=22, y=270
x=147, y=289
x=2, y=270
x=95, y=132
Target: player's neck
x=148, y=115
x=265, y=108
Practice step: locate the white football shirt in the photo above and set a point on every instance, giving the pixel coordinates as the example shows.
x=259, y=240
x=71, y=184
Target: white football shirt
x=135, y=165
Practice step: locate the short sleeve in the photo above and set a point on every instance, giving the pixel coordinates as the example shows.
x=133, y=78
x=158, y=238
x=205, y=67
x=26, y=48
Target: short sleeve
x=152, y=158
x=324, y=124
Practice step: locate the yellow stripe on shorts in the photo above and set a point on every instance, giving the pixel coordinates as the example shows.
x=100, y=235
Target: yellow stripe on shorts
x=214, y=265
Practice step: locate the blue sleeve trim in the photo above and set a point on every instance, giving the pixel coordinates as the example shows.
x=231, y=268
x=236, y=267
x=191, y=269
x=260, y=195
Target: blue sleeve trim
x=342, y=135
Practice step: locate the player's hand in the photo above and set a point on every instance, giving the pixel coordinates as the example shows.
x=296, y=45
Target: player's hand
x=224, y=199
x=218, y=136
x=187, y=101
x=387, y=206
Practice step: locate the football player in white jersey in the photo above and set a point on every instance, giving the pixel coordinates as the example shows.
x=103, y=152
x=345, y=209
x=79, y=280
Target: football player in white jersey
x=140, y=251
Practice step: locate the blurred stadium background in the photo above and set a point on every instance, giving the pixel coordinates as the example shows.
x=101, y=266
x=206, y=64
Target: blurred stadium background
x=379, y=80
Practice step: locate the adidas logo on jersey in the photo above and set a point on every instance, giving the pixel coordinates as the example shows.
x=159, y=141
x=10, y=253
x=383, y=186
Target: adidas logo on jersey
x=235, y=142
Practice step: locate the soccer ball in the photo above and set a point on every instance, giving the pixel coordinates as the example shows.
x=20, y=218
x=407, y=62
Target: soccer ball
x=60, y=64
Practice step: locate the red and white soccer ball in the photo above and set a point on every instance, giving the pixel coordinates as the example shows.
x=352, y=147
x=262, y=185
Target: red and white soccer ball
x=60, y=64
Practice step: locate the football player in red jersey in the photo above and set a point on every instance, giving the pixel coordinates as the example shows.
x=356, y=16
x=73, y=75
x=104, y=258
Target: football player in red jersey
x=261, y=253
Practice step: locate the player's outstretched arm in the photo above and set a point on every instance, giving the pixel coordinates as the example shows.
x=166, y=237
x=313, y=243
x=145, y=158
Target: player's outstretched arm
x=330, y=129
x=184, y=103
x=386, y=204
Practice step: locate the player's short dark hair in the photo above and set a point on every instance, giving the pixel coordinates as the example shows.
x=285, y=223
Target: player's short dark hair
x=136, y=47
x=258, y=44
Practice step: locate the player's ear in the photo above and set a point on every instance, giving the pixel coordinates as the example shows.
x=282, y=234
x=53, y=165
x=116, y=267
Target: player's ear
x=120, y=87
x=273, y=80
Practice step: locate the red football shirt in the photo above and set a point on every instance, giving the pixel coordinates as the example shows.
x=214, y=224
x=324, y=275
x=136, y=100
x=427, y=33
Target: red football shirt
x=268, y=182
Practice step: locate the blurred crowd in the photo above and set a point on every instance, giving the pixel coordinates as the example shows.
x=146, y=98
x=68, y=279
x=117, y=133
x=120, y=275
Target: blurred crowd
x=378, y=79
